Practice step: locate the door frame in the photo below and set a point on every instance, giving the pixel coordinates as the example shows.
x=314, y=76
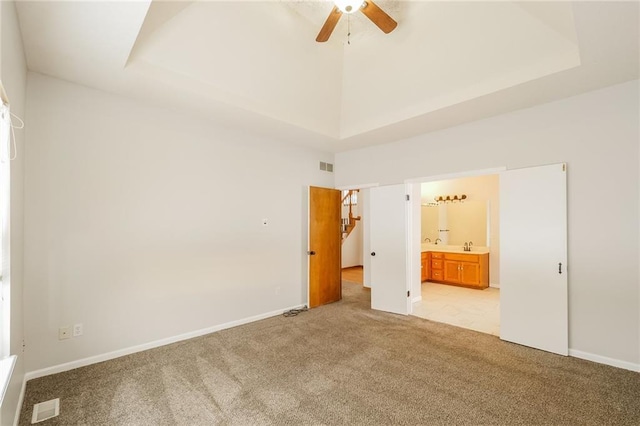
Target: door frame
x=364, y=222
x=414, y=224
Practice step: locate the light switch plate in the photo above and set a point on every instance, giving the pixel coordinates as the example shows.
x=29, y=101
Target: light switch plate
x=77, y=330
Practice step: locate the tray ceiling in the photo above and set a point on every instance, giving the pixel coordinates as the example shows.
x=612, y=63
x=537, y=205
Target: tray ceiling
x=257, y=64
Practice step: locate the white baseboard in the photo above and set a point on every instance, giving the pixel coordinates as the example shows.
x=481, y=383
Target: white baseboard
x=604, y=360
x=16, y=419
x=494, y=285
x=145, y=346
x=416, y=299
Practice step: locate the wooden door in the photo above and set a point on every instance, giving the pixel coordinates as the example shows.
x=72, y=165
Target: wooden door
x=533, y=257
x=325, y=285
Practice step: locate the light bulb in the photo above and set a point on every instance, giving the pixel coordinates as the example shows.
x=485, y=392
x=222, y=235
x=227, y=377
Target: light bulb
x=349, y=6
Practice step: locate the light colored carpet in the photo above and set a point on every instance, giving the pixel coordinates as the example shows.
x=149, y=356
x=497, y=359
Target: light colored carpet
x=342, y=364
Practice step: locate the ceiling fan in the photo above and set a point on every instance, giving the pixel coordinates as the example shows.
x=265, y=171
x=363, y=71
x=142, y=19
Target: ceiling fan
x=368, y=7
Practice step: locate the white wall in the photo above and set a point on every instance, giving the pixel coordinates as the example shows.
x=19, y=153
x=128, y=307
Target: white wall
x=13, y=72
x=143, y=223
x=597, y=135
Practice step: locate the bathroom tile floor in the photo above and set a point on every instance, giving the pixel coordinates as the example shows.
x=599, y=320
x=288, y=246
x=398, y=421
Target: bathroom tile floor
x=477, y=310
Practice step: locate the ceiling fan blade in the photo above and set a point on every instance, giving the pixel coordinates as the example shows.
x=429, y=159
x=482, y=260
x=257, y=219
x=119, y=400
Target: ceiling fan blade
x=329, y=25
x=379, y=17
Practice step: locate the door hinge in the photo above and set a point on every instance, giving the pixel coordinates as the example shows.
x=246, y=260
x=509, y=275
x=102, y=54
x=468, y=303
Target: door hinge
x=564, y=167
x=408, y=293
x=408, y=197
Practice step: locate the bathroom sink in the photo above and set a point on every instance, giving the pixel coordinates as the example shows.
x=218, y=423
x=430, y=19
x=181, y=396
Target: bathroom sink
x=452, y=249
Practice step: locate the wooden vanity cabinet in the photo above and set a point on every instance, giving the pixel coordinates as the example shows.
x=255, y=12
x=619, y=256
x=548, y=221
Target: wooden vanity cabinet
x=436, y=264
x=469, y=270
x=462, y=272
x=425, y=259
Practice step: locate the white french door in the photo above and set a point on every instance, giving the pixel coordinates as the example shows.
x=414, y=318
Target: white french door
x=533, y=257
x=388, y=256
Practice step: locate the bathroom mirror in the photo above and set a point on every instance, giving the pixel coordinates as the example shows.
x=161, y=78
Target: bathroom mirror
x=456, y=223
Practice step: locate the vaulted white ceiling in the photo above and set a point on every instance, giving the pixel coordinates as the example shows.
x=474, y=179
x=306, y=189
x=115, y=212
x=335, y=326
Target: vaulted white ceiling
x=256, y=64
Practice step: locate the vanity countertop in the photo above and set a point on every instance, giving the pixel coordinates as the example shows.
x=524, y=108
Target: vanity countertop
x=453, y=249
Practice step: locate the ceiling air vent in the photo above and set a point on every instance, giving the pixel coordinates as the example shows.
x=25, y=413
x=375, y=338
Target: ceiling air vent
x=45, y=410
x=327, y=167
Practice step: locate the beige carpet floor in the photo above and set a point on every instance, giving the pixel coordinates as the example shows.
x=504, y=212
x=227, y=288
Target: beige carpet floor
x=342, y=364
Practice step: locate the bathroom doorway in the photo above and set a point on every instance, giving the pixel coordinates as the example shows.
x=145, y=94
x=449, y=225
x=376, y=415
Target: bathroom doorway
x=460, y=253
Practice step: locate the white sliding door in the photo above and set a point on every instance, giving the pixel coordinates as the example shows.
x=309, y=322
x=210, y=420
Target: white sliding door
x=533, y=257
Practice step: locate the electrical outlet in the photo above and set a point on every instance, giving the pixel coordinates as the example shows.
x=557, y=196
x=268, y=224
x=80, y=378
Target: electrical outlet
x=77, y=330
x=64, y=333
x=265, y=222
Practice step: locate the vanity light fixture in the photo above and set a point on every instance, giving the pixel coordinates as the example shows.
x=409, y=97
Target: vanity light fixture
x=450, y=198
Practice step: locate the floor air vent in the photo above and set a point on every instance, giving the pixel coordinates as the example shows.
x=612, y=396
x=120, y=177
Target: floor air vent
x=45, y=410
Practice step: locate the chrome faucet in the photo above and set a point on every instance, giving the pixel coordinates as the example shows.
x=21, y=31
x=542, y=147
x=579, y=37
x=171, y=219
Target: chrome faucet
x=427, y=239
x=437, y=239
x=467, y=246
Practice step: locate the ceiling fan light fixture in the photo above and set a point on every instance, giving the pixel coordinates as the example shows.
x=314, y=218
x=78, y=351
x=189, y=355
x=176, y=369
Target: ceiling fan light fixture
x=349, y=6
x=371, y=10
